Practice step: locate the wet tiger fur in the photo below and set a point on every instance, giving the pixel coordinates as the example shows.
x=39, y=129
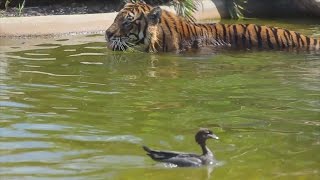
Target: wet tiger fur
x=159, y=30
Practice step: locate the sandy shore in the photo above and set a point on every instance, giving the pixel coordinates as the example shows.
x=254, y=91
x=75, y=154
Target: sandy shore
x=54, y=25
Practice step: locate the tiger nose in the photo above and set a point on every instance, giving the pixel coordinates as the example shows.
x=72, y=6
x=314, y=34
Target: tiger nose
x=108, y=34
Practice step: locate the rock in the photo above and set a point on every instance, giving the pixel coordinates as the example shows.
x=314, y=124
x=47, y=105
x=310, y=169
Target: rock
x=311, y=7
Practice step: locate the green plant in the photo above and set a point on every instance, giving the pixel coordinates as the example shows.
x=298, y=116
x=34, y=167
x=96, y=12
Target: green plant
x=235, y=8
x=6, y=5
x=186, y=8
x=21, y=7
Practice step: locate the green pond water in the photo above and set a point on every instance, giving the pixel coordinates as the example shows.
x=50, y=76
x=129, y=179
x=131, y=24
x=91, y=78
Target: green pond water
x=72, y=109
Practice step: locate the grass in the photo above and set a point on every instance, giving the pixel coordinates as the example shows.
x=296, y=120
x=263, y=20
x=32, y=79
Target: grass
x=235, y=8
x=6, y=5
x=21, y=7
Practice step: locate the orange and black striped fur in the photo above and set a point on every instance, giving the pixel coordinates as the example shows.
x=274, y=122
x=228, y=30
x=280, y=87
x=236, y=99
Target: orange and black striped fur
x=162, y=31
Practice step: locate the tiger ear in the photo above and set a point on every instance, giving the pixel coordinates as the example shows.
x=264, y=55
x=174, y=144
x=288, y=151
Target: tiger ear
x=155, y=15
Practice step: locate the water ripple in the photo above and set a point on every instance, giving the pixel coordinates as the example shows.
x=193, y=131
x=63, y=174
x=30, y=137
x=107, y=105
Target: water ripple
x=24, y=145
x=94, y=63
x=107, y=160
x=117, y=138
x=31, y=170
x=32, y=59
x=6, y=132
x=50, y=74
x=36, y=156
x=94, y=47
x=48, y=114
x=103, y=92
x=36, y=54
x=41, y=85
x=47, y=127
x=87, y=54
x=14, y=104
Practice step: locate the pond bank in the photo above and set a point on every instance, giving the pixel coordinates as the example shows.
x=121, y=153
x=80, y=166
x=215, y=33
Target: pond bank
x=81, y=24
x=55, y=25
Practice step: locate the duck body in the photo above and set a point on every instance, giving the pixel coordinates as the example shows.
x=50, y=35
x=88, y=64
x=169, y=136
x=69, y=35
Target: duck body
x=181, y=159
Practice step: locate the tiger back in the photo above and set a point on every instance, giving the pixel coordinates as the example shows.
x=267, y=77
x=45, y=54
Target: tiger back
x=169, y=32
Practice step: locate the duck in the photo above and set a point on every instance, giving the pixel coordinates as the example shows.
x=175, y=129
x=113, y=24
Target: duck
x=181, y=159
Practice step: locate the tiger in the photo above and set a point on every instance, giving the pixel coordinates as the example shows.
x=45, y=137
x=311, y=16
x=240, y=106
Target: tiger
x=158, y=30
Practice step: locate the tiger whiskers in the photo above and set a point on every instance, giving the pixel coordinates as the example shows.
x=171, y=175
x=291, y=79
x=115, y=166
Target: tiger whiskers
x=130, y=44
x=119, y=43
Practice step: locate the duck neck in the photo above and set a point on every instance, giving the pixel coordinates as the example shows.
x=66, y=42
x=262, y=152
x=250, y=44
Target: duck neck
x=205, y=149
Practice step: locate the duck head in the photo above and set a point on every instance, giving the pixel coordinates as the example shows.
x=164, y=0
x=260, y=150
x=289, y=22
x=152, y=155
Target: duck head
x=203, y=134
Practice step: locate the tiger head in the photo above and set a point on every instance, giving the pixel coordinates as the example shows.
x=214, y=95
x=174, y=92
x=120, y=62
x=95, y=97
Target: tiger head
x=129, y=27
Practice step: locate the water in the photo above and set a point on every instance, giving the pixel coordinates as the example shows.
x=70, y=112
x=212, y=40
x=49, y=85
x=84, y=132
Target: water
x=71, y=109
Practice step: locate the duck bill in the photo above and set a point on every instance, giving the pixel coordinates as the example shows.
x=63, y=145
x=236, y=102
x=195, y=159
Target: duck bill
x=213, y=136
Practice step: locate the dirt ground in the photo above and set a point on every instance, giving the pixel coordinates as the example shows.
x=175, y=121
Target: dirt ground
x=60, y=8
x=63, y=7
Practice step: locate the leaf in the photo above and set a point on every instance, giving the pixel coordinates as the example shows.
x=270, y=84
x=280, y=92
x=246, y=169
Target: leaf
x=235, y=8
x=186, y=8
